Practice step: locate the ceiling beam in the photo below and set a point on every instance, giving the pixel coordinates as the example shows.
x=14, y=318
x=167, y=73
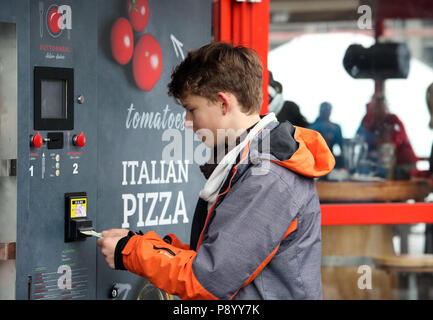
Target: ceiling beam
x=323, y=16
x=313, y=5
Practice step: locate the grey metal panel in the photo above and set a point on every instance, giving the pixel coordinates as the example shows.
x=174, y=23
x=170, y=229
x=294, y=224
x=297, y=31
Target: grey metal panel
x=44, y=255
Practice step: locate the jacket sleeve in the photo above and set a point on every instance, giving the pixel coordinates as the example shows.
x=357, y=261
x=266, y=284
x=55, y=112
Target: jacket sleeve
x=174, y=241
x=166, y=266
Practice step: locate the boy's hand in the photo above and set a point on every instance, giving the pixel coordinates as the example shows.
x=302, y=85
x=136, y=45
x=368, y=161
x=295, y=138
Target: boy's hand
x=108, y=243
x=115, y=233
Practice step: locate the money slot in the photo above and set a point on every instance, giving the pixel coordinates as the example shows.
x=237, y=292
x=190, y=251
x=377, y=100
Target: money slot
x=77, y=226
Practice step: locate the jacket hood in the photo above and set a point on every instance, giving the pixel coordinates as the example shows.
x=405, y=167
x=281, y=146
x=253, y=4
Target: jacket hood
x=301, y=150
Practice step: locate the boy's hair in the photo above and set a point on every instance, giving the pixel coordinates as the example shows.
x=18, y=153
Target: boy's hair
x=219, y=67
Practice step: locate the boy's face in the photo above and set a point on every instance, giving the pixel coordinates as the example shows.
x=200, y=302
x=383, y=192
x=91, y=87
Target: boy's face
x=205, y=118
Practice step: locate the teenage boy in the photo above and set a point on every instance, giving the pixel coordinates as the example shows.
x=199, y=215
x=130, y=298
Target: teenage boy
x=256, y=231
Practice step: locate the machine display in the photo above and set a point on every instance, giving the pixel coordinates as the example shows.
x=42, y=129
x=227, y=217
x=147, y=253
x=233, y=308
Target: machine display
x=53, y=104
x=54, y=98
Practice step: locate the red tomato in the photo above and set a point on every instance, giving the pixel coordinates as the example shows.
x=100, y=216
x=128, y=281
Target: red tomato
x=147, y=62
x=122, y=41
x=54, y=19
x=138, y=12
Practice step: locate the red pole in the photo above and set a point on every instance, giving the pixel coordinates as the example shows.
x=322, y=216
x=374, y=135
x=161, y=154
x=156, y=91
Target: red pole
x=245, y=23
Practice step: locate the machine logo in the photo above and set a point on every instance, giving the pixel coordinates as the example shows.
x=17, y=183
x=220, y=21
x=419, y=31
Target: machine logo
x=57, y=19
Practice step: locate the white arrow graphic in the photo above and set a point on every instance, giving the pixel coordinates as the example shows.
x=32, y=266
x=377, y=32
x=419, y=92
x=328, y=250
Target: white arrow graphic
x=177, y=46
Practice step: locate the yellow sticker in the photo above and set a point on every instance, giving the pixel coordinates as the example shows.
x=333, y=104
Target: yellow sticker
x=78, y=208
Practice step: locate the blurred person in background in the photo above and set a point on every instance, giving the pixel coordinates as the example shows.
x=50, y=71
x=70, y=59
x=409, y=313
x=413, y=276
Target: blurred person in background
x=291, y=112
x=330, y=131
x=380, y=127
x=275, y=92
x=284, y=110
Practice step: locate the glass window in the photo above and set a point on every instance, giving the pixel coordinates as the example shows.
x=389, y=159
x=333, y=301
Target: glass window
x=362, y=76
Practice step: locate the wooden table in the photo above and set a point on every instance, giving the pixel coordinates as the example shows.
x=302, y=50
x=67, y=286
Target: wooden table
x=374, y=191
x=405, y=263
x=409, y=264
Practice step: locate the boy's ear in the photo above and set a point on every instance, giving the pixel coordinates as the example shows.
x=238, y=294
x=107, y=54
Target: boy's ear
x=224, y=99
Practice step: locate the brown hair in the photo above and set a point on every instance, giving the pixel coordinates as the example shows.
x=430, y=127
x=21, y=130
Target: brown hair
x=219, y=67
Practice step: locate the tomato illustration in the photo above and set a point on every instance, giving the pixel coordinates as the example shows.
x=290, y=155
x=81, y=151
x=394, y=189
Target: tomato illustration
x=54, y=20
x=122, y=41
x=147, y=62
x=138, y=12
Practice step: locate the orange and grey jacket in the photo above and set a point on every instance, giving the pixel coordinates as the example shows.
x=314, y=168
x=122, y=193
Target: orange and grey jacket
x=260, y=239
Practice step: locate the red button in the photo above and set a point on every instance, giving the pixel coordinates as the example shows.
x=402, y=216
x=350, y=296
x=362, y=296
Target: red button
x=80, y=140
x=37, y=140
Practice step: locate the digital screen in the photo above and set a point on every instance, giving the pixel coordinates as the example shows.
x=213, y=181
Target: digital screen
x=53, y=99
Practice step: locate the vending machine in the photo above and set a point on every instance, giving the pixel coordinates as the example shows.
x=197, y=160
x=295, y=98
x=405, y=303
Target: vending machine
x=90, y=140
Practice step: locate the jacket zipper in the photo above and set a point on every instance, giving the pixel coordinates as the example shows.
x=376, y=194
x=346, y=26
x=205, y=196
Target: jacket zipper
x=165, y=249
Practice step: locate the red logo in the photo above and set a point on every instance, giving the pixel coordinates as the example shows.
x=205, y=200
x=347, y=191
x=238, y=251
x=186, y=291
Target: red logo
x=58, y=18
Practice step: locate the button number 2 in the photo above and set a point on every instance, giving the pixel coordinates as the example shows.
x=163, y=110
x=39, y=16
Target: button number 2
x=75, y=166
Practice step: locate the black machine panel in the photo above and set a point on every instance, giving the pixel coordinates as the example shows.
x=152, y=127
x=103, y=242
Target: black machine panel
x=94, y=122
x=54, y=98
